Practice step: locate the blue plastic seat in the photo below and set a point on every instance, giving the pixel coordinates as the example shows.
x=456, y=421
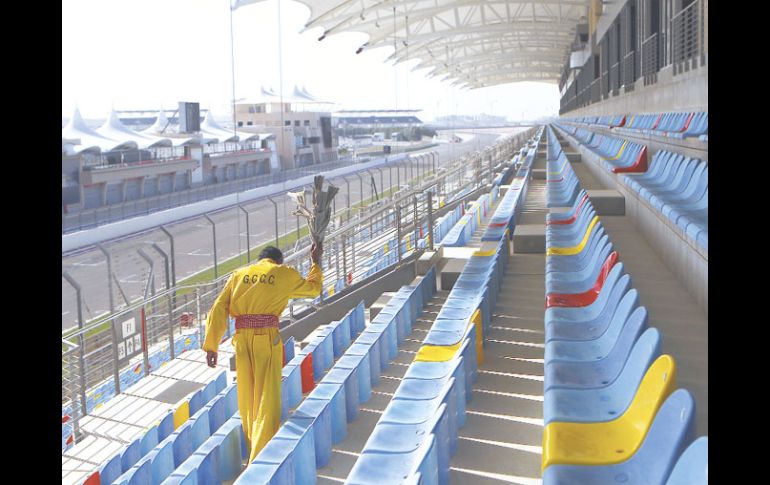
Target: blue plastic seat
x=578, y=281
x=399, y=452
x=609, y=402
x=672, y=429
x=693, y=466
x=588, y=322
x=609, y=355
x=334, y=393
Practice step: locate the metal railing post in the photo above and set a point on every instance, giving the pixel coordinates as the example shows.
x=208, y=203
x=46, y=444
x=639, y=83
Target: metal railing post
x=214, y=236
x=398, y=233
x=171, y=302
x=344, y=260
x=416, y=221
x=275, y=207
x=248, y=235
x=430, y=220
x=347, y=182
x=201, y=333
x=361, y=187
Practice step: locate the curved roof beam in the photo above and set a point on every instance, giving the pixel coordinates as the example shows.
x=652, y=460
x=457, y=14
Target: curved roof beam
x=366, y=15
x=457, y=37
x=492, y=56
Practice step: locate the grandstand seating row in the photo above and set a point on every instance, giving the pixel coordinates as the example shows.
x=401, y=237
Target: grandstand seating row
x=674, y=186
x=611, y=411
x=618, y=155
x=673, y=125
x=304, y=442
x=159, y=436
x=462, y=232
x=418, y=431
x=677, y=187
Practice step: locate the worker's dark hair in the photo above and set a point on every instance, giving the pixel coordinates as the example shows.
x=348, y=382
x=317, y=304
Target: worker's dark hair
x=273, y=253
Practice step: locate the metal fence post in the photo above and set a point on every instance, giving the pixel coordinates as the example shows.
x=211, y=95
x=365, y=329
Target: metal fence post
x=214, y=235
x=171, y=302
x=81, y=341
x=108, y=257
x=248, y=237
x=275, y=207
x=173, y=259
x=361, y=187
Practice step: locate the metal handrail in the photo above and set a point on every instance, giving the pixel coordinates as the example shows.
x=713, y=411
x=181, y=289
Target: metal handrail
x=650, y=59
x=687, y=35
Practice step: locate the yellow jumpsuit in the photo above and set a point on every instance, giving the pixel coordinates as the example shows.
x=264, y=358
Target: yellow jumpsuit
x=262, y=288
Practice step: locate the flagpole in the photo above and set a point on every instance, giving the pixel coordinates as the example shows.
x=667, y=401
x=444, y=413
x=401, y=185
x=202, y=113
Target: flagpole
x=280, y=78
x=232, y=61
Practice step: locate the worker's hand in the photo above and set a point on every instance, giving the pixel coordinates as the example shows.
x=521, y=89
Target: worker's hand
x=211, y=359
x=316, y=251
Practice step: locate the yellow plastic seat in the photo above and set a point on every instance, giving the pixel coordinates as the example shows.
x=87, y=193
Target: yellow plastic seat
x=476, y=320
x=436, y=353
x=181, y=414
x=572, y=250
x=613, y=441
x=444, y=353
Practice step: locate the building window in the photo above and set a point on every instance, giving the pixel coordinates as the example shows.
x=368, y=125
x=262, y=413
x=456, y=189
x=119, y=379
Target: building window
x=307, y=122
x=251, y=109
x=296, y=122
x=287, y=123
x=240, y=123
x=249, y=123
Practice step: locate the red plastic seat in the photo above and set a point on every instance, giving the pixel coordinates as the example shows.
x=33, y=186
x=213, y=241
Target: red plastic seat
x=639, y=166
x=588, y=296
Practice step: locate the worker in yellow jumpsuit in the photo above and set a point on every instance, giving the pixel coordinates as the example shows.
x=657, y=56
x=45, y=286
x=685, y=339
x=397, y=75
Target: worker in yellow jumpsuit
x=255, y=296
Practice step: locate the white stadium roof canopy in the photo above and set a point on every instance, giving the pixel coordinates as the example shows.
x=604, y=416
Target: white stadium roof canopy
x=474, y=43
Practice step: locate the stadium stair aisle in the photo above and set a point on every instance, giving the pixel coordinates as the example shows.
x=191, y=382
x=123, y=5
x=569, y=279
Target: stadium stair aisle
x=346, y=452
x=683, y=324
x=501, y=441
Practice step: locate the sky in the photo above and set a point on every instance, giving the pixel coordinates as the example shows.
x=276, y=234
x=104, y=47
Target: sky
x=144, y=54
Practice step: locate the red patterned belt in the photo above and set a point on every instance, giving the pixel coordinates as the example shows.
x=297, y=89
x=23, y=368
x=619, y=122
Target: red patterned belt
x=256, y=320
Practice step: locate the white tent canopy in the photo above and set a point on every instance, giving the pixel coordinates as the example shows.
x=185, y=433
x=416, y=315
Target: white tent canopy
x=161, y=124
x=472, y=43
x=211, y=128
x=113, y=128
x=78, y=130
x=297, y=95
